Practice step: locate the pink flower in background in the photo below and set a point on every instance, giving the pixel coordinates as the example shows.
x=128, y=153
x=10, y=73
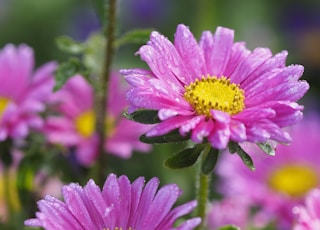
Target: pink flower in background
x=281, y=182
x=235, y=210
x=308, y=216
x=229, y=211
x=22, y=91
x=216, y=89
x=75, y=123
x=120, y=205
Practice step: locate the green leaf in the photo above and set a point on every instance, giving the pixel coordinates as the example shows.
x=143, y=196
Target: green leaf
x=245, y=158
x=69, y=45
x=233, y=147
x=173, y=136
x=25, y=177
x=229, y=227
x=185, y=158
x=210, y=161
x=267, y=148
x=144, y=116
x=137, y=36
x=68, y=69
x=5, y=152
x=94, y=53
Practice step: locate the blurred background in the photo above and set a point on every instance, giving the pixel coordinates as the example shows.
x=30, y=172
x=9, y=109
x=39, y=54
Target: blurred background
x=279, y=25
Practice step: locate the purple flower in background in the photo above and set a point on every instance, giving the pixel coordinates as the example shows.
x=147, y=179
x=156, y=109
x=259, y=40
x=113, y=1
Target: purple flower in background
x=75, y=123
x=216, y=89
x=280, y=182
x=120, y=205
x=23, y=91
x=308, y=216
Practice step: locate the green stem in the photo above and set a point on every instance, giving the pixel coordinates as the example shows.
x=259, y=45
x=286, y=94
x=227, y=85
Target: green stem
x=202, y=186
x=102, y=95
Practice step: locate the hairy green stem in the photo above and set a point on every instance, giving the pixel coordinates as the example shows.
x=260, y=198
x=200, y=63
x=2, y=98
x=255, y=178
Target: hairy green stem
x=102, y=95
x=202, y=186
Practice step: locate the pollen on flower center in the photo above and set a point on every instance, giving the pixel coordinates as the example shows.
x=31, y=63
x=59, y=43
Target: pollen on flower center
x=85, y=124
x=3, y=104
x=294, y=179
x=214, y=93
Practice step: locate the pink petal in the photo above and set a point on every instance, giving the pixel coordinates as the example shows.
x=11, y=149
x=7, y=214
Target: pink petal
x=238, y=53
x=250, y=64
x=158, y=65
x=161, y=205
x=275, y=62
x=217, y=50
x=202, y=130
x=220, y=136
x=190, y=125
x=190, y=52
x=168, y=125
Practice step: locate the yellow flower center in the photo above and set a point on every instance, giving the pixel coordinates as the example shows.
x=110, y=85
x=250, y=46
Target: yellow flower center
x=3, y=104
x=214, y=93
x=85, y=124
x=294, y=179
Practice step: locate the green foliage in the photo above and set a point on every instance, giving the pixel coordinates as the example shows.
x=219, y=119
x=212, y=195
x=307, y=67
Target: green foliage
x=69, y=45
x=136, y=36
x=68, y=69
x=5, y=152
x=229, y=227
x=210, y=161
x=28, y=168
x=144, y=116
x=245, y=157
x=173, y=136
x=185, y=158
x=267, y=148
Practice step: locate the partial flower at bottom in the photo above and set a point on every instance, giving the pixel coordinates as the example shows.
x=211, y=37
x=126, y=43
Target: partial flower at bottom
x=120, y=205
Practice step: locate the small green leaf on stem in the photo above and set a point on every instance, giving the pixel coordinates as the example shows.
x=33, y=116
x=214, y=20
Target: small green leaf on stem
x=185, y=158
x=233, y=147
x=69, y=45
x=173, y=136
x=267, y=148
x=247, y=160
x=137, y=36
x=144, y=116
x=210, y=161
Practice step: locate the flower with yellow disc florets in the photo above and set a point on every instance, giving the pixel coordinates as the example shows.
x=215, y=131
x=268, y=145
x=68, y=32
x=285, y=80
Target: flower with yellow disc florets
x=216, y=90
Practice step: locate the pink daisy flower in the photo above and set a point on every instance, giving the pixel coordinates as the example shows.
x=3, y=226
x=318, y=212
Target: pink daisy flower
x=280, y=182
x=23, y=91
x=216, y=89
x=75, y=123
x=120, y=205
x=308, y=216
